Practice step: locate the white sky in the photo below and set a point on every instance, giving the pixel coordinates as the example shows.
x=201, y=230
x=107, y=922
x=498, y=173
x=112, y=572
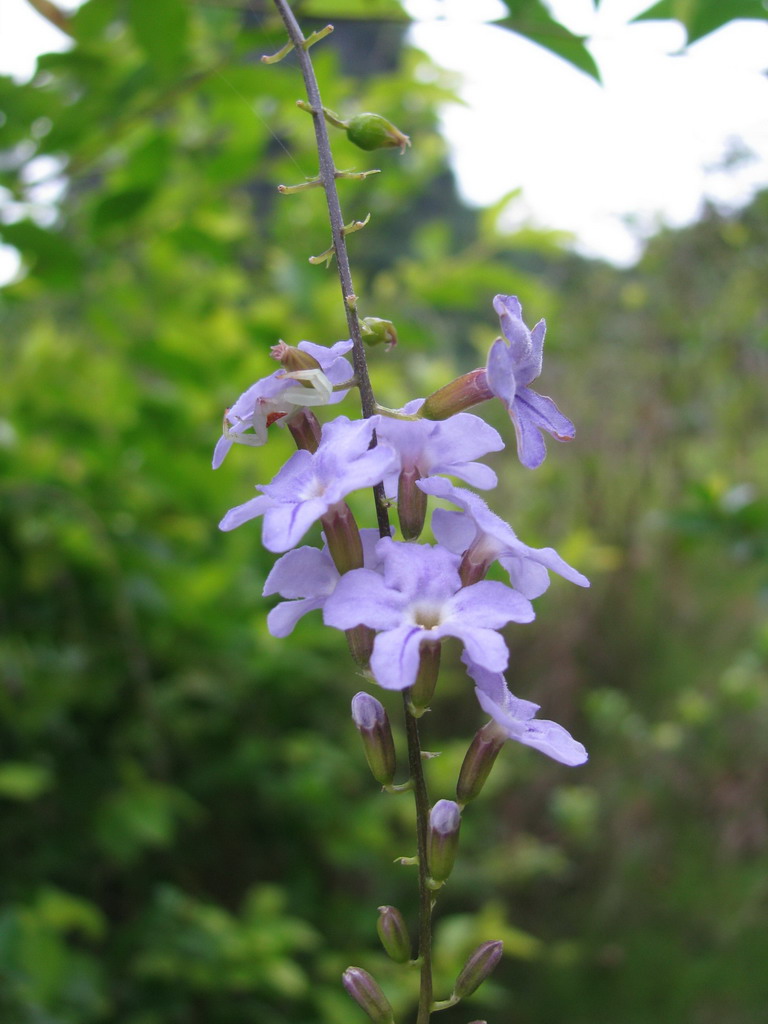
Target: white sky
x=607, y=163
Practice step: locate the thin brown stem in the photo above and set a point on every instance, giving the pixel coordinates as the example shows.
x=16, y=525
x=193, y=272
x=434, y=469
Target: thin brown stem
x=421, y=799
x=54, y=14
x=327, y=175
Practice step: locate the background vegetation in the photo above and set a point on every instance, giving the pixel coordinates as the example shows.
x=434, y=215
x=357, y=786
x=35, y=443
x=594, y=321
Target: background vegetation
x=189, y=833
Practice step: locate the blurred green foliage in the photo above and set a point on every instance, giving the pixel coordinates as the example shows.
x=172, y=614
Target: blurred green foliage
x=189, y=833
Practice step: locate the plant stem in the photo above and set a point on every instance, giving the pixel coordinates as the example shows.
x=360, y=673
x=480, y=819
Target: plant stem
x=421, y=799
x=327, y=175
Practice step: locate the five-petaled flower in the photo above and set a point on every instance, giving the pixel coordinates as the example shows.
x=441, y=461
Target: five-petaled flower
x=310, y=484
x=418, y=598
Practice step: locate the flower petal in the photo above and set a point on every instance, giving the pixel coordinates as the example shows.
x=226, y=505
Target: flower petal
x=395, y=658
x=361, y=598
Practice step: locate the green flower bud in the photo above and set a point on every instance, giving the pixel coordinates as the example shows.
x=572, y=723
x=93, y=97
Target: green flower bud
x=375, y=331
x=394, y=934
x=443, y=839
x=478, y=967
x=372, y=722
x=372, y=131
x=478, y=761
x=367, y=994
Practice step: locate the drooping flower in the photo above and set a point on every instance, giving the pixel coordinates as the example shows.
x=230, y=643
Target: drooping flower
x=281, y=393
x=311, y=484
x=418, y=598
x=512, y=365
x=307, y=577
x=517, y=717
x=482, y=537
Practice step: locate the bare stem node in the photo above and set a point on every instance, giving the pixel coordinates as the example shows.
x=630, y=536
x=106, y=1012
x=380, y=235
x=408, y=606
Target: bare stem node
x=317, y=36
x=276, y=57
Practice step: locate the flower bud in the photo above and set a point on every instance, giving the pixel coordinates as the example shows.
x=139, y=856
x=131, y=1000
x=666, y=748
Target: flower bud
x=293, y=359
x=443, y=838
x=375, y=331
x=394, y=934
x=478, y=761
x=372, y=722
x=372, y=131
x=367, y=994
x=478, y=967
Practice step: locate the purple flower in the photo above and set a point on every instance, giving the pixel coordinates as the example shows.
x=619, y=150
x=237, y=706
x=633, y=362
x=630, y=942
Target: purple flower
x=309, y=484
x=307, y=576
x=280, y=393
x=441, y=446
x=419, y=598
x=510, y=368
x=516, y=717
x=482, y=537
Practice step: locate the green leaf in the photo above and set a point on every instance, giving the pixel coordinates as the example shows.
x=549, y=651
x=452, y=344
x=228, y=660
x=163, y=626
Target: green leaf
x=700, y=17
x=49, y=254
x=20, y=780
x=370, y=10
x=531, y=19
x=160, y=28
x=120, y=206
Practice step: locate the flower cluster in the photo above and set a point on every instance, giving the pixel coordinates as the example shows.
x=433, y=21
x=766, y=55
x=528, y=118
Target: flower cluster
x=404, y=594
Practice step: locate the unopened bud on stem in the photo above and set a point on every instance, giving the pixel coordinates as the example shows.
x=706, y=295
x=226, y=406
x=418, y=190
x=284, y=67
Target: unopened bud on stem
x=376, y=331
x=372, y=131
x=293, y=358
x=478, y=967
x=394, y=934
x=372, y=722
x=368, y=995
x=443, y=838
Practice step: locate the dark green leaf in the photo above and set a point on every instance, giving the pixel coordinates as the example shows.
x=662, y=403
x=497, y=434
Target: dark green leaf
x=120, y=206
x=50, y=256
x=368, y=9
x=700, y=17
x=530, y=18
x=160, y=28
